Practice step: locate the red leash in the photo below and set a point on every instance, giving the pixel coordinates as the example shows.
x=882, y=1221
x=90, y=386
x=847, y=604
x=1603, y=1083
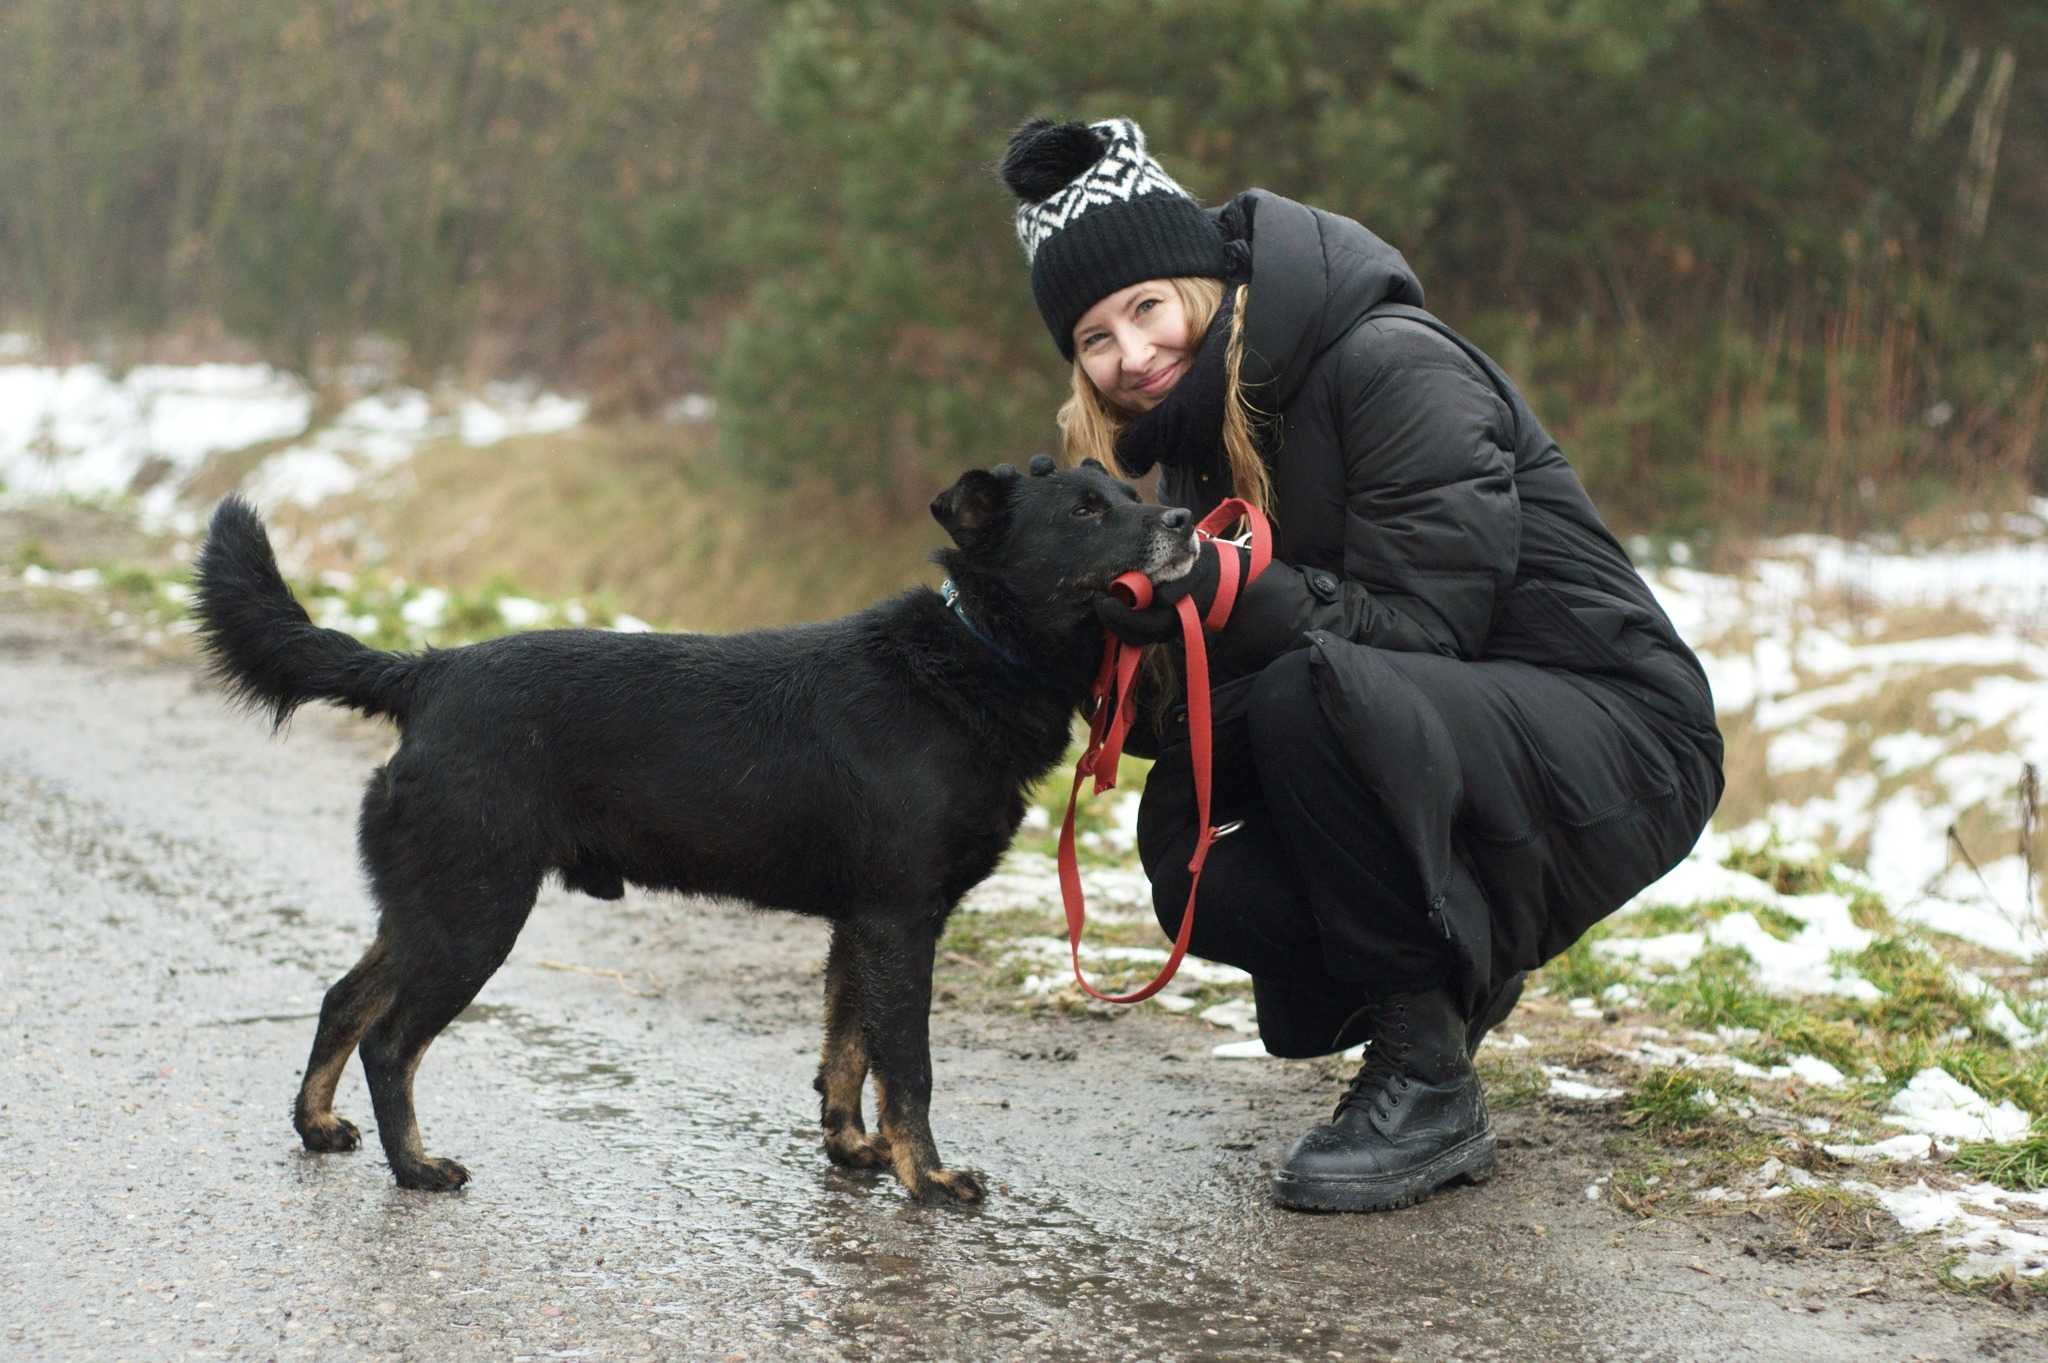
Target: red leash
x=1107, y=730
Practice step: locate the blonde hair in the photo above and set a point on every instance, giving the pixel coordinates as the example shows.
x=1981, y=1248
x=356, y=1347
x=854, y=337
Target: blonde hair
x=1089, y=424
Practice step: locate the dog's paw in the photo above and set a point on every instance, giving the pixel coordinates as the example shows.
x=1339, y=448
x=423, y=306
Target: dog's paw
x=858, y=1152
x=432, y=1175
x=331, y=1134
x=957, y=1184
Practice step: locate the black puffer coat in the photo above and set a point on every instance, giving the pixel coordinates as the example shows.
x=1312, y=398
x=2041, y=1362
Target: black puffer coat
x=1429, y=534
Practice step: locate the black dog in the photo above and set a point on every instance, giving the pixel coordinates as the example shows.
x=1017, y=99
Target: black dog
x=869, y=770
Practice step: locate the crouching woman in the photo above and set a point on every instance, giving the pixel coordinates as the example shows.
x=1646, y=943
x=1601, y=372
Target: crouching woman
x=1453, y=727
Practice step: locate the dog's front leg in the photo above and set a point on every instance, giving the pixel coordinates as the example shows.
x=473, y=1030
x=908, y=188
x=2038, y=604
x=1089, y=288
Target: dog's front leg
x=843, y=1067
x=892, y=965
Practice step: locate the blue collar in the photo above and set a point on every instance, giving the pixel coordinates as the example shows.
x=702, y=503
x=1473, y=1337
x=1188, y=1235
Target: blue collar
x=950, y=594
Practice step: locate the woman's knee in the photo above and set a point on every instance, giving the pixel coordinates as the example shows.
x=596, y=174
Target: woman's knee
x=1282, y=714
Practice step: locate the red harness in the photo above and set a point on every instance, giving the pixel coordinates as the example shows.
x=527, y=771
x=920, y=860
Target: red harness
x=1107, y=730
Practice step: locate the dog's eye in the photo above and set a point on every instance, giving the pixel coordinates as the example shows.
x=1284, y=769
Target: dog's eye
x=1087, y=509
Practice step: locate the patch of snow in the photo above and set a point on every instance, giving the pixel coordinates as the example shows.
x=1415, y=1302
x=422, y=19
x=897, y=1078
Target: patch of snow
x=76, y=430
x=1030, y=880
x=1239, y=1015
x=1908, y=1147
x=519, y=612
x=1805, y=964
x=77, y=580
x=1673, y=949
x=1253, y=1049
x=691, y=407
x=509, y=409
x=631, y=624
x=1817, y=743
x=2001, y=1231
x=1935, y=1103
x=1577, y=1086
x=427, y=609
x=1901, y=752
x=1816, y=1071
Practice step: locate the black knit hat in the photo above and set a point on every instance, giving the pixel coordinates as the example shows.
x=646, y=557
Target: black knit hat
x=1097, y=214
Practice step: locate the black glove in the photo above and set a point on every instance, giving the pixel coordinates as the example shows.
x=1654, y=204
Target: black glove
x=1159, y=623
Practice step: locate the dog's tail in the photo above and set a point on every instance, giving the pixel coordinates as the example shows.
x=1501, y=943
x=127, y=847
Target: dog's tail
x=263, y=647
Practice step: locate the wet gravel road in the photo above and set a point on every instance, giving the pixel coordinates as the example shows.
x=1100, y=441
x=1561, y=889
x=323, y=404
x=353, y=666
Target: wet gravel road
x=631, y=1094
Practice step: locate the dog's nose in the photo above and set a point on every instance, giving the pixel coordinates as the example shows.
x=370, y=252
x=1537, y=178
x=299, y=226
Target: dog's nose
x=1177, y=518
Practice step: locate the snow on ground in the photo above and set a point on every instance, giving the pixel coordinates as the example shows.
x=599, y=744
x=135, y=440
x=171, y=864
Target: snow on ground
x=1935, y=1103
x=78, y=430
x=1998, y=1231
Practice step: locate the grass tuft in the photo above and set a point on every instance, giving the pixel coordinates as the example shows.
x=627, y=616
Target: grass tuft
x=1921, y=1000
x=1668, y=1100
x=1581, y=972
x=1783, y=871
x=2022, y=1166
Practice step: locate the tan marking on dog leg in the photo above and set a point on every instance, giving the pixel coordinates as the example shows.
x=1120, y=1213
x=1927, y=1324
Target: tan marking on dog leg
x=357, y=1000
x=843, y=1071
x=915, y=1155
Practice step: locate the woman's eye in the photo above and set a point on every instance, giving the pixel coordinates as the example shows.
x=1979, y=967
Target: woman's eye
x=1147, y=305
x=1088, y=341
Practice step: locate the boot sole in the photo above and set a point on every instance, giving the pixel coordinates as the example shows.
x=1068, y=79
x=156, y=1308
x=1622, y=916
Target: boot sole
x=1471, y=1161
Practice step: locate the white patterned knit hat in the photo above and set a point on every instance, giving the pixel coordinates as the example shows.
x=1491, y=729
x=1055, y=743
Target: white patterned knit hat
x=1097, y=214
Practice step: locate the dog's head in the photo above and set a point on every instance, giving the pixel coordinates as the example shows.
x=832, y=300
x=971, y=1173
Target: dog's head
x=1035, y=549
x=1055, y=532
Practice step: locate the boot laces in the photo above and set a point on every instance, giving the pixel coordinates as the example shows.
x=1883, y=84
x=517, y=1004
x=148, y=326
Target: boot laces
x=1383, y=1070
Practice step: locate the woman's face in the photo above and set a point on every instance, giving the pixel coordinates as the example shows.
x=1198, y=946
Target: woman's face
x=1134, y=345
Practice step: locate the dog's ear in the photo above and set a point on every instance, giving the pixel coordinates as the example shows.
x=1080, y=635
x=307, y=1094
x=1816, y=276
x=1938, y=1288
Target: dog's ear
x=971, y=507
x=1093, y=464
x=1042, y=464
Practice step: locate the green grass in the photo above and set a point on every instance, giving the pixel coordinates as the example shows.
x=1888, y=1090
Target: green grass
x=1668, y=1100
x=1511, y=1082
x=1716, y=990
x=1660, y=919
x=1581, y=972
x=1919, y=997
x=2022, y=1166
x=1782, y=871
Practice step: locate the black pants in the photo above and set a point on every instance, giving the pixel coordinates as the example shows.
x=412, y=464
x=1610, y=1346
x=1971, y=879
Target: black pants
x=1313, y=843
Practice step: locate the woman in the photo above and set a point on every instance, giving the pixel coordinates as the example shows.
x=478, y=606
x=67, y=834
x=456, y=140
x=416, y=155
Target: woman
x=1452, y=724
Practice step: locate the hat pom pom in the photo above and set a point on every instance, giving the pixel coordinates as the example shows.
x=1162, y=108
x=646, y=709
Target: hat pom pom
x=1045, y=157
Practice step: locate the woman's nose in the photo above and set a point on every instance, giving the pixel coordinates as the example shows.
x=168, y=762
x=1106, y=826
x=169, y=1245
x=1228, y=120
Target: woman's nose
x=1177, y=518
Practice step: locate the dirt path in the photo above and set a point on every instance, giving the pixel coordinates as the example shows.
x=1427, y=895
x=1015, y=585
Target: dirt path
x=632, y=1094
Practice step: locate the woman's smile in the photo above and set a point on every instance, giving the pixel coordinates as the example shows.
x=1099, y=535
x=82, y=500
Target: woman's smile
x=1160, y=381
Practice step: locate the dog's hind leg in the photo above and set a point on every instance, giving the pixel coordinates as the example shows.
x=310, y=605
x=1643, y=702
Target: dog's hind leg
x=441, y=958
x=892, y=961
x=353, y=1003
x=843, y=1067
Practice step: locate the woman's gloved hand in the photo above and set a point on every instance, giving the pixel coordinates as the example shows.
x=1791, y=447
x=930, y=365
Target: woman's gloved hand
x=1158, y=623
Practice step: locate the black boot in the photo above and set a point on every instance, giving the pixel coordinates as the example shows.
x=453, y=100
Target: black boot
x=1495, y=1010
x=1411, y=1121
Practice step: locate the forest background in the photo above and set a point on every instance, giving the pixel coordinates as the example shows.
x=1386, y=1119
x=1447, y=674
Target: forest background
x=1757, y=264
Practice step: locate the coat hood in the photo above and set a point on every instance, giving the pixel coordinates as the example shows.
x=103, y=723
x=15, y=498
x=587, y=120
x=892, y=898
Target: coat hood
x=1313, y=275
